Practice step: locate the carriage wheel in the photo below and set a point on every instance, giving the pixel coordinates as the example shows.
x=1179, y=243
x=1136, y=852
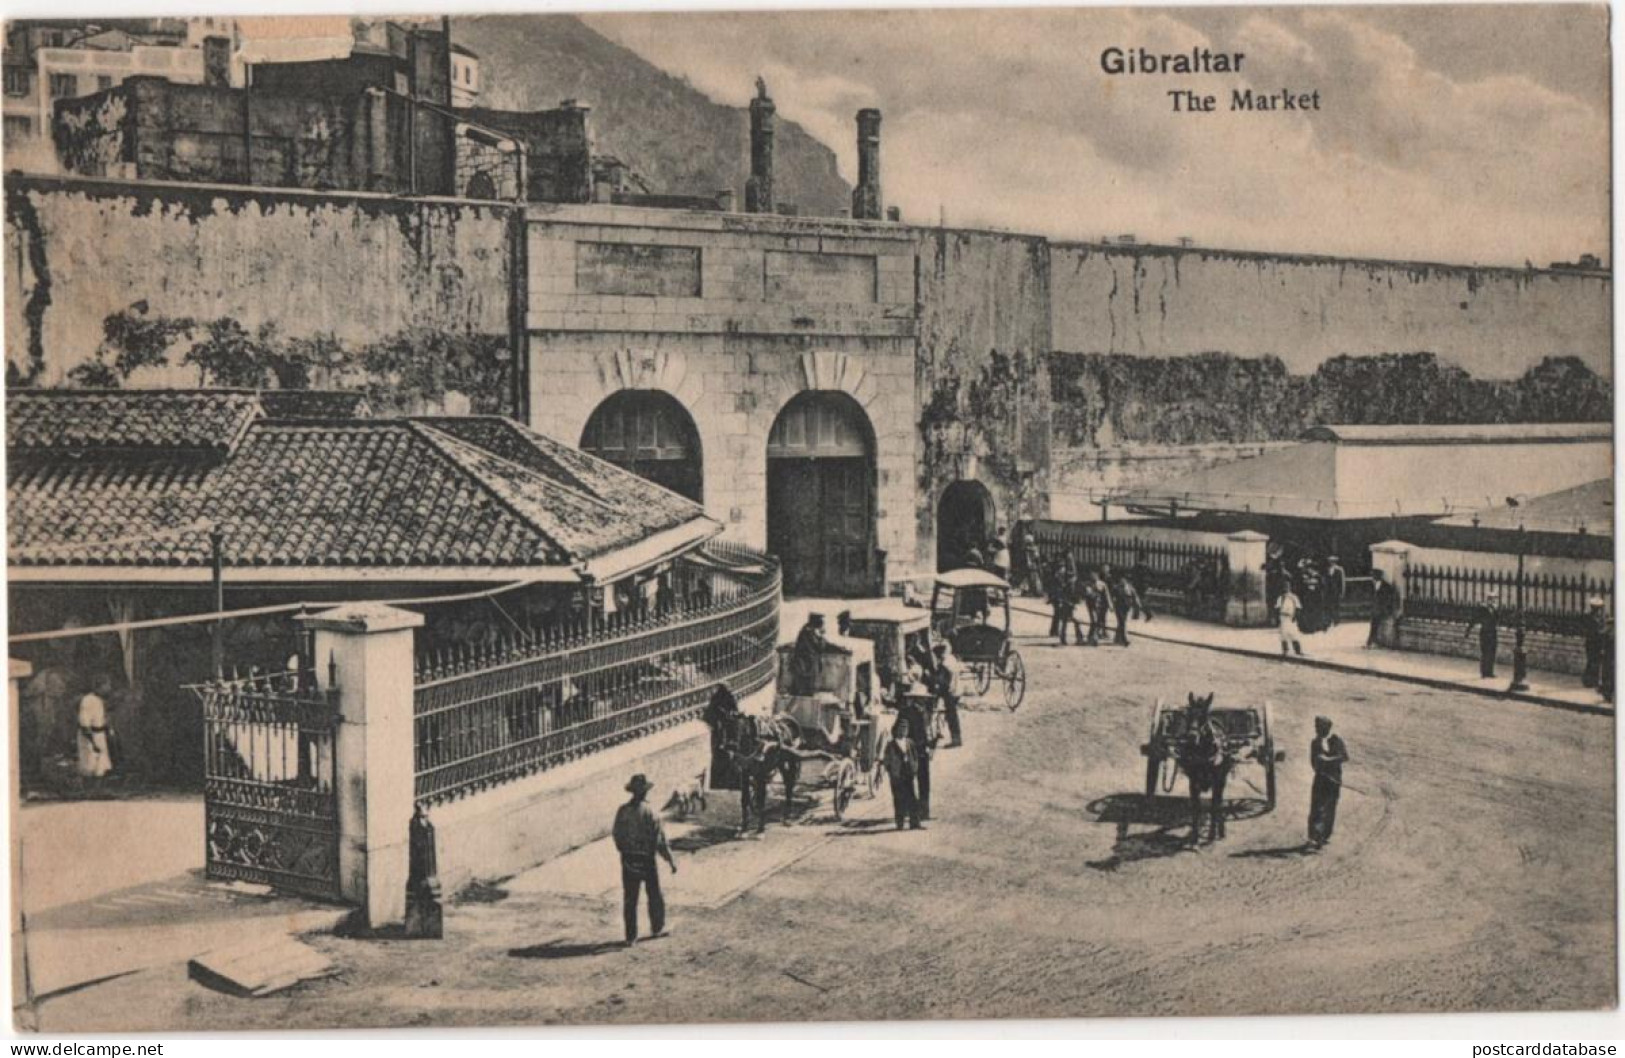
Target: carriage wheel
x=984, y=679
x=846, y=787
x=1014, y=673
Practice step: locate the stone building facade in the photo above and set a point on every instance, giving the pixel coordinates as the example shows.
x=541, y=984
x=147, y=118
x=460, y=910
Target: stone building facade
x=774, y=355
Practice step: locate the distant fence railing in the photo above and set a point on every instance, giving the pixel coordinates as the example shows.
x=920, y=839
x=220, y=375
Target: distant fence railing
x=1186, y=578
x=493, y=714
x=1550, y=603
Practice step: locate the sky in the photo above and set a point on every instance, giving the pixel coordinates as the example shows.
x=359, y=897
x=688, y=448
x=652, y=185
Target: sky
x=1459, y=134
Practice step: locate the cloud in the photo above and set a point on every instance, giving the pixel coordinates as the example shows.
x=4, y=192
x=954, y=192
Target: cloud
x=1424, y=146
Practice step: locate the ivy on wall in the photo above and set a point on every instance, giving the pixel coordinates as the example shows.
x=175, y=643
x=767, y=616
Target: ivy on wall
x=416, y=370
x=1101, y=399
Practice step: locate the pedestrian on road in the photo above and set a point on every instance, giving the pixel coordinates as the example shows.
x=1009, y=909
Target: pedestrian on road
x=1598, y=632
x=1140, y=579
x=1287, y=608
x=902, y=765
x=999, y=556
x=1327, y=755
x=945, y=686
x=1063, y=599
x=1124, y=602
x=639, y=838
x=1337, y=585
x=1100, y=606
x=1384, y=604
x=1487, y=618
x=912, y=712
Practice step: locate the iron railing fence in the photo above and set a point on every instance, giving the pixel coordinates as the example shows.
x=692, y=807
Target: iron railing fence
x=489, y=715
x=1186, y=578
x=1551, y=603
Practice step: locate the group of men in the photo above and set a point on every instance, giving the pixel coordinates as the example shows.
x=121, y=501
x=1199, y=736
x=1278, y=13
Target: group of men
x=931, y=682
x=1099, y=593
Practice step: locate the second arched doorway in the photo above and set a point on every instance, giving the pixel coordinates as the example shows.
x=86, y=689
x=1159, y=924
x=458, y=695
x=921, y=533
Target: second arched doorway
x=651, y=434
x=966, y=518
x=821, y=495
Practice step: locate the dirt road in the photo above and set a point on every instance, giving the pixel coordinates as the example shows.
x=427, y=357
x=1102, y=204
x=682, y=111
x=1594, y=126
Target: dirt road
x=1475, y=873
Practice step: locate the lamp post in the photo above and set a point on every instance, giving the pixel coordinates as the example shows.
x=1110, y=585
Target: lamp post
x=1520, y=658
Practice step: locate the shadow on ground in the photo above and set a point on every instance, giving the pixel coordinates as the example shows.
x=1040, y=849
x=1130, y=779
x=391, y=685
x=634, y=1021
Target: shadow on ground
x=555, y=949
x=1169, y=819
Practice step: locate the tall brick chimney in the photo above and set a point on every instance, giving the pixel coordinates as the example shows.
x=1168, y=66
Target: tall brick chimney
x=866, y=202
x=759, y=188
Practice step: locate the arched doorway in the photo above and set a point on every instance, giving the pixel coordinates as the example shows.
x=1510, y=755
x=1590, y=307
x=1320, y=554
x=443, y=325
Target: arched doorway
x=821, y=495
x=651, y=434
x=966, y=518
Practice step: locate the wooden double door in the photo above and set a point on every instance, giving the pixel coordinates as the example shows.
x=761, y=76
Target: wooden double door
x=821, y=524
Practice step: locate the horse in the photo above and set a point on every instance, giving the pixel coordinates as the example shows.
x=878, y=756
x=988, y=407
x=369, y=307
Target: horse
x=758, y=747
x=1207, y=763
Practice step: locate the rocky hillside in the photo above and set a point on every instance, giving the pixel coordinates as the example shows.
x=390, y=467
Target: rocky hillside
x=671, y=134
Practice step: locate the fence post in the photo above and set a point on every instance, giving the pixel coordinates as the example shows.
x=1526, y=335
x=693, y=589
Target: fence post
x=370, y=646
x=1245, y=602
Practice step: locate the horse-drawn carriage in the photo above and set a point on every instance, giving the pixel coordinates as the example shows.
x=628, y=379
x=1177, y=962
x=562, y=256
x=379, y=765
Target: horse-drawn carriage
x=1246, y=739
x=970, y=608
x=836, y=721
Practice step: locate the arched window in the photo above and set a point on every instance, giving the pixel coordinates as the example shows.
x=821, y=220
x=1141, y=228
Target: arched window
x=651, y=434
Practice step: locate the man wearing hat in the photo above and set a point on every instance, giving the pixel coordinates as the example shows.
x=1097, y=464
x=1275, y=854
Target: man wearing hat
x=1488, y=620
x=1337, y=586
x=810, y=643
x=639, y=838
x=1599, y=636
x=1327, y=755
x=913, y=716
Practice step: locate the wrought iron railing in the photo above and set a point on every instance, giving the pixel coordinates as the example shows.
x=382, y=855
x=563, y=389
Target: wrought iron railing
x=1550, y=603
x=489, y=715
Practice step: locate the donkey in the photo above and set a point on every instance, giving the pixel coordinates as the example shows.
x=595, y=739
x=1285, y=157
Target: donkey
x=760, y=746
x=1206, y=761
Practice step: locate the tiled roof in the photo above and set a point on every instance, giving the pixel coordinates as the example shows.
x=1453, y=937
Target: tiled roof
x=75, y=420
x=346, y=493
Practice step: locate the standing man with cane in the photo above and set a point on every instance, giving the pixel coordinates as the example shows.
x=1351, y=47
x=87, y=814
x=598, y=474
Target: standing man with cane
x=1327, y=755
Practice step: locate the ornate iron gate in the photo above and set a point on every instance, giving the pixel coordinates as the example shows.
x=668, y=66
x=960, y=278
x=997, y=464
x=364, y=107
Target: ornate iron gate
x=270, y=801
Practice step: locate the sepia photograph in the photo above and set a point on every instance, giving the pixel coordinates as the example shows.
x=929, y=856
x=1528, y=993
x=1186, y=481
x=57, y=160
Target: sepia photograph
x=704, y=517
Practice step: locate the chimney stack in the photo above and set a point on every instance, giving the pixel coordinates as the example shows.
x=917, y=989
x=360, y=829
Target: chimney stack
x=866, y=204
x=759, y=188
x=217, y=62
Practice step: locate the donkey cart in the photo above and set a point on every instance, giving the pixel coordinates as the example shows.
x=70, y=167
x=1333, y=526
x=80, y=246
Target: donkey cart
x=1247, y=740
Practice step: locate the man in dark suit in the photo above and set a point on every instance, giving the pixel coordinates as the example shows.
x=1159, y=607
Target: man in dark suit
x=1327, y=755
x=1487, y=618
x=913, y=712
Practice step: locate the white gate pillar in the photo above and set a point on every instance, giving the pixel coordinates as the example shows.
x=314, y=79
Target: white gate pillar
x=369, y=649
x=1246, y=601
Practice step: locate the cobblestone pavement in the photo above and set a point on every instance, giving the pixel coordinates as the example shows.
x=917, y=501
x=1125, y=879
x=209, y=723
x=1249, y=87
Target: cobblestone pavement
x=1474, y=870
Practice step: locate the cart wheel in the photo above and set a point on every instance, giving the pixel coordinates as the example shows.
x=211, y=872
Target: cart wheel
x=1269, y=775
x=846, y=785
x=984, y=679
x=1153, y=769
x=1014, y=675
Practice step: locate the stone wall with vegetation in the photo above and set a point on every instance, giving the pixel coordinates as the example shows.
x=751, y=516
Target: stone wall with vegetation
x=163, y=285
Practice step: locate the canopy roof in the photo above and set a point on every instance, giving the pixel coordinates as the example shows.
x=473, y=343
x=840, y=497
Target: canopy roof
x=1587, y=509
x=99, y=481
x=1341, y=473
